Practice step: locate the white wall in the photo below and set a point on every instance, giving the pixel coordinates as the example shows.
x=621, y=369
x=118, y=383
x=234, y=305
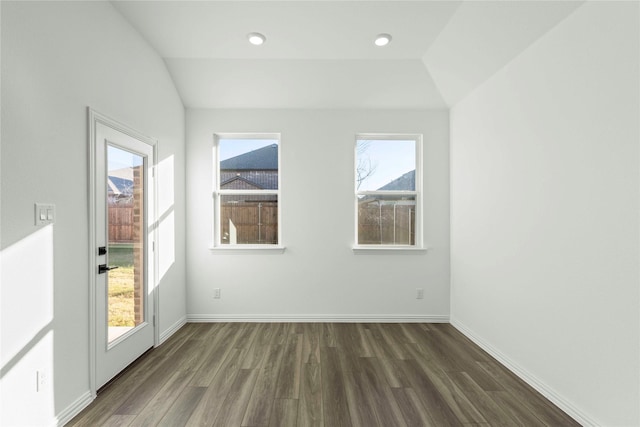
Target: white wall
x=544, y=178
x=318, y=276
x=57, y=59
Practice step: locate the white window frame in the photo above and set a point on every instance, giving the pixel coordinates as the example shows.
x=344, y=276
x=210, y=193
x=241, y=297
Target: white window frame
x=218, y=193
x=417, y=193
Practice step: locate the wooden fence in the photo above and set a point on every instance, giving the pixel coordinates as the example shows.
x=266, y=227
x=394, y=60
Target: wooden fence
x=386, y=224
x=121, y=223
x=255, y=222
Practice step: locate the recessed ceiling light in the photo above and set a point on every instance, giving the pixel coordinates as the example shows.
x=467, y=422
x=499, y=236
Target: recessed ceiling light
x=383, y=39
x=256, y=38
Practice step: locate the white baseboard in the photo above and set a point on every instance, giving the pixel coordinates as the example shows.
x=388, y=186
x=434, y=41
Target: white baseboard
x=527, y=377
x=172, y=329
x=74, y=409
x=319, y=318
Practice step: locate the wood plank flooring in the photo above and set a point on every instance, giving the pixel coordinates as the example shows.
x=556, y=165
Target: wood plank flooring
x=319, y=374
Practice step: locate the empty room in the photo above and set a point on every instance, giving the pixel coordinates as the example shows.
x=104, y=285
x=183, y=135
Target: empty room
x=320, y=213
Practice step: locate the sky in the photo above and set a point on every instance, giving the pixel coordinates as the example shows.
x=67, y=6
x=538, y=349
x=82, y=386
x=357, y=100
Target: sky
x=390, y=159
x=233, y=147
x=120, y=159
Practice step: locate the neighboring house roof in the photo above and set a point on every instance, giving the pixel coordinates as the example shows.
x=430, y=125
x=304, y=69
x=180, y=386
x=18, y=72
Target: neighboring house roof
x=238, y=182
x=120, y=186
x=249, y=179
x=257, y=169
x=405, y=182
x=120, y=181
x=265, y=158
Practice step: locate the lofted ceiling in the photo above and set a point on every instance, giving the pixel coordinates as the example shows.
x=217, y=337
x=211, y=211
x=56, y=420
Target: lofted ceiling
x=320, y=54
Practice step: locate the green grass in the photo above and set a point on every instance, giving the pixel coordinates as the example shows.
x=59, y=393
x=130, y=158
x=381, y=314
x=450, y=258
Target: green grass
x=121, y=254
x=121, y=304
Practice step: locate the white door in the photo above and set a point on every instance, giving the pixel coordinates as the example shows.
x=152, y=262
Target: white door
x=123, y=241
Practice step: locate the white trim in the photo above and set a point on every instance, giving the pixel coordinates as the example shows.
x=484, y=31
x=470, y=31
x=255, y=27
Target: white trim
x=548, y=392
x=319, y=318
x=248, y=192
x=247, y=135
x=172, y=329
x=257, y=249
x=74, y=409
x=388, y=193
x=92, y=117
x=153, y=250
x=387, y=250
x=387, y=136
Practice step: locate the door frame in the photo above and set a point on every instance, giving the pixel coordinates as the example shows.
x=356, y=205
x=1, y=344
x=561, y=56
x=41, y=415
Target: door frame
x=93, y=119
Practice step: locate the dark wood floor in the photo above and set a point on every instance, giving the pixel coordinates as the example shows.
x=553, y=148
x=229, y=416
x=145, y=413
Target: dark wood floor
x=319, y=374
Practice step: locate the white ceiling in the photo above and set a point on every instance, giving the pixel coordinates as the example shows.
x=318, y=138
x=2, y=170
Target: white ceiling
x=320, y=54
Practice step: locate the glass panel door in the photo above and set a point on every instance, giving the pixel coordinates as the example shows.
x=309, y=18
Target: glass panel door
x=123, y=218
x=126, y=239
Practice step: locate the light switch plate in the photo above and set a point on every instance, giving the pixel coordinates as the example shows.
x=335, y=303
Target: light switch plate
x=45, y=213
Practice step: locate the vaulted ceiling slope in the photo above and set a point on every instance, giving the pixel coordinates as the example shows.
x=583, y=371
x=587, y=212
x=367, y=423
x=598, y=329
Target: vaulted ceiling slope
x=320, y=54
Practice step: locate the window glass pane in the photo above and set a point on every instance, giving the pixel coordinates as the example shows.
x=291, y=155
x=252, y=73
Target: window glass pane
x=385, y=165
x=249, y=219
x=248, y=164
x=125, y=214
x=386, y=220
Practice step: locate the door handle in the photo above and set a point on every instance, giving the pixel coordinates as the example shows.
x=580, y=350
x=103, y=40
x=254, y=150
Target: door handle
x=102, y=268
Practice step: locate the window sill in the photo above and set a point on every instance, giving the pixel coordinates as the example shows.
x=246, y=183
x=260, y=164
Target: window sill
x=250, y=249
x=380, y=250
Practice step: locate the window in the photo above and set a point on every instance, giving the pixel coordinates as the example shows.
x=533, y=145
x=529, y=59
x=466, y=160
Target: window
x=387, y=181
x=247, y=190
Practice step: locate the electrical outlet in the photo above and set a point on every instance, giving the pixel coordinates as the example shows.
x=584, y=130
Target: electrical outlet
x=216, y=293
x=419, y=293
x=41, y=380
